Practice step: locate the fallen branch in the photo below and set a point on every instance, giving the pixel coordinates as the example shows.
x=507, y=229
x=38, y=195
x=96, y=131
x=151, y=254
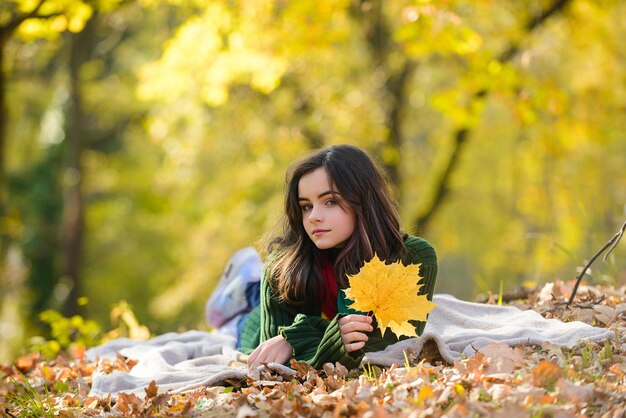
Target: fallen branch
x=612, y=243
x=518, y=293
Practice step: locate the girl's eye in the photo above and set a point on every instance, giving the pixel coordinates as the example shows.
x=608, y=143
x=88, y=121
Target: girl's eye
x=306, y=207
x=331, y=202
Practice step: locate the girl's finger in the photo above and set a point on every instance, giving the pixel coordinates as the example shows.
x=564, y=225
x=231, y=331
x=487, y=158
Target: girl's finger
x=260, y=359
x=355, y=326
x=355, y=318
x=257, y=356
x=252, y=358
x=354, y=346
x=354, y=337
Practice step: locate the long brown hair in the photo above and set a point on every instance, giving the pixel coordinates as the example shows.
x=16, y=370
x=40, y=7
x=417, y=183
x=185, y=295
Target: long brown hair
x=294, y=262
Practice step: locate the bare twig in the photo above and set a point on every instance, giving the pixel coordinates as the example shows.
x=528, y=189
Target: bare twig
x=612, y=243
x=6, y=411
x=6, y=31
x=620, y=233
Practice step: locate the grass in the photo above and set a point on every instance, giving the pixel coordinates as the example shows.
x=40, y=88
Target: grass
x=407, y=364
x=28, y=401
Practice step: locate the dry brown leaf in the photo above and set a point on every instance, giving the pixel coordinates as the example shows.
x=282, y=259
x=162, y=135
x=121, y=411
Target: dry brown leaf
x=186, y=409
x=246, y=412
x=128, y=403
x=499, y=391
x=28, y=362
x=553, y=381
x=151, y=389
x=502, y=358
x=65, y=373
x=528, y=393
x=617, y=370
x=605, y=314
x=569, y=391
x=78, y=351
x=497, y=377
x=458, y=410
x=511, y=409
x=546, y=374
x=91, y=402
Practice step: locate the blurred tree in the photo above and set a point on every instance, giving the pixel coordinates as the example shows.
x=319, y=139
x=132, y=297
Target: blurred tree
x=81, y=48
x=461, y=134
x=52, y=240
x=31, y=20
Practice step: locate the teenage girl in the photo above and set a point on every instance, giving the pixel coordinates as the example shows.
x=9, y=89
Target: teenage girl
x=338, y=214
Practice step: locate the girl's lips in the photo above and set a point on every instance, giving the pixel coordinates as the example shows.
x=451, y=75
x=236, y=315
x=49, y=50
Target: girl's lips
x=320, y=231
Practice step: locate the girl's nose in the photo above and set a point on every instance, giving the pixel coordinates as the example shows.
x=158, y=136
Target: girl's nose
x=315, y=215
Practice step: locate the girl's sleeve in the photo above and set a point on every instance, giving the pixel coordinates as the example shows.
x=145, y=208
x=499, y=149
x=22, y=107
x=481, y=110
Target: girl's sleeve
x=313, y=339
x=274, y=314
x=422, y=252
x=317, y=341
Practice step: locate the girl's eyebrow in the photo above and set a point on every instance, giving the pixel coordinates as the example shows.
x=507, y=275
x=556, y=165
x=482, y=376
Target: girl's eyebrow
x=320, y=195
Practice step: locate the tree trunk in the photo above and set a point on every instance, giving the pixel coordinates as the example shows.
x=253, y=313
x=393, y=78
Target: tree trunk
x=4, y=234
x=442, y=186
x=3, y=129
x=396, y=87
x=73, y=208
x=379, y=37
x=4, y=237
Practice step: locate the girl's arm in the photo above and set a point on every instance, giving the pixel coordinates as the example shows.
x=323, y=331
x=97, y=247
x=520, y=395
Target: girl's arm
x=422, y=252
x=312, y=339
x=274, y=313
x=317, y=341
x=272, y=347
x=274, y=350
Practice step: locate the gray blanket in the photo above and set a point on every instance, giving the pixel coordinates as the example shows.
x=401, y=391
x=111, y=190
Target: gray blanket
x=177, y=362
x=461, y=328
x=181, y=362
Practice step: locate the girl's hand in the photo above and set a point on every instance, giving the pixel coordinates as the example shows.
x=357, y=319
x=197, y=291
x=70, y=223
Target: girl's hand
x=352, y=328
x=274, y=350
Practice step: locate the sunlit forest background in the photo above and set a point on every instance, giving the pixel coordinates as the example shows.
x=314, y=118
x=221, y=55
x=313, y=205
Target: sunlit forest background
x=143, y=142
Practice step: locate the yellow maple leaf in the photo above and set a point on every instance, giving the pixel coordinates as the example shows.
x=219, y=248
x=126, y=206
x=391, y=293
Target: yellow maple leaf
x=390, y=292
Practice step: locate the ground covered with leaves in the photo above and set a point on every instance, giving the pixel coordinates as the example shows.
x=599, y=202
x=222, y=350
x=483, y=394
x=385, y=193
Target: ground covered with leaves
x=586, y=380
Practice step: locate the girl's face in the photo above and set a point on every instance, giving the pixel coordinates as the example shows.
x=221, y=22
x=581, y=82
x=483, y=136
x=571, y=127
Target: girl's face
x=325, y=222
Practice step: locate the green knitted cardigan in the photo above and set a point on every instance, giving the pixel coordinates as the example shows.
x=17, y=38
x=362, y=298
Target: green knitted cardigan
x=316, y=340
